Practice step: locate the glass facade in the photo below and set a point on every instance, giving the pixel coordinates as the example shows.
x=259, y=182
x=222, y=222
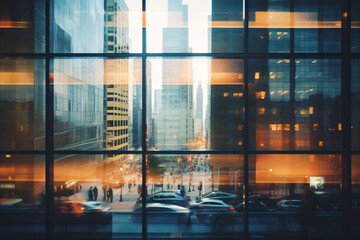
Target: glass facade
x=179, y=119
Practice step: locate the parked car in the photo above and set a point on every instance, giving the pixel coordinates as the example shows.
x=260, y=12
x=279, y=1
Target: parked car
x=163, y=213
x=167, y=198
x=82, y=212
x=253, y=207
x=289, y=205
x=264, y=199
x=223, y=196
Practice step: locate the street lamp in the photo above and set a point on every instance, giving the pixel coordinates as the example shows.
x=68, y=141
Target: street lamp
x=121, y=184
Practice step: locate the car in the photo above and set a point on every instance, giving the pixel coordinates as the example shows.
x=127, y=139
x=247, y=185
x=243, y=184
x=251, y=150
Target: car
x=253, y=207
x=218, y=195
x=73, y=212
x=163, y=213
x=167, y=198
x=289, y=204
x=207, y=209
x=264, y=199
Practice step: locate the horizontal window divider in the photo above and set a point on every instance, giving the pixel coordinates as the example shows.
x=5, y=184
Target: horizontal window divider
x=23, y=152
x=23, y=55
x=96, y=55
x=195, y=152
x=295, y=152
x=96, y=152
x=355, y=152
x=355, y=55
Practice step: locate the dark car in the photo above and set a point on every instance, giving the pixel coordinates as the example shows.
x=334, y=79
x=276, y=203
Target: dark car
x=167, y=198
x=253, y=207
x=223, y=196
x=210, y=209
x=163, y=213
x=82, y=213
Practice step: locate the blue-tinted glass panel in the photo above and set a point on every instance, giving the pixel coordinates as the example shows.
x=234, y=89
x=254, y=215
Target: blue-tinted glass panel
x=269, y=26
x=270, y=106
x=195, y=103
x=22, y=104
x=196, y=26
x=317, y=25
x=22, y=196
x=355, y=107
x=295, y=196
x=318, y=104
x=97, y=104
x=355, y=26
x=96, y=26
x=195, y=196
x=355, y=180
x=22, y=26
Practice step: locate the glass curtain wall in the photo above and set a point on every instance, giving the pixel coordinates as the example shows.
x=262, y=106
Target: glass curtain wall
x=179, y=119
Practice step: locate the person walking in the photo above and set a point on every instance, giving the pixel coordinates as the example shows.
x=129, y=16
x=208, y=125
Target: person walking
x=104, y=188
x=91, y=194
x=96, y=193
x=110, y=195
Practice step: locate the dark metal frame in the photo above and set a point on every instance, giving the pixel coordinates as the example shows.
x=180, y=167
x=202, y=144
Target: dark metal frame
x=346, y=56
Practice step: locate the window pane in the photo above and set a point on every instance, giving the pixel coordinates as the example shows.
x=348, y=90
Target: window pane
x=355, y=107
x=269, y=26
x=22, y=26
x=197, y=26
x=318, y=104
x=270, y=108
x=22, y=196
x=84, y=26
x=355, y=172
x=195, y=103
x=188, y=178
x=355, y=26
x=317, y=25
x=22, y=104
x=97, y=104
x=290, y=194
x=83, y=211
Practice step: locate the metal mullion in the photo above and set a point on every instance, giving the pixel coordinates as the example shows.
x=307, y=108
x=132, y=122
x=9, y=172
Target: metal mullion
x=346, y=121
x=246, y=117
x=144, y=127
x=96, y=152
x=329, y=152
x=23, y=152
x=23, y=55
x=96, y=55
x=49, y=133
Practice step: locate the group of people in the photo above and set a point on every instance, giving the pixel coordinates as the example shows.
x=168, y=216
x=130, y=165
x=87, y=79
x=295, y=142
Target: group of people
x=93, y=194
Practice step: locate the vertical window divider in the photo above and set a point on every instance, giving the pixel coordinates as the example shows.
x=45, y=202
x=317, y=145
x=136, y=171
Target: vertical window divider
x=246, y=117
x=144, y=126
x=49, y=131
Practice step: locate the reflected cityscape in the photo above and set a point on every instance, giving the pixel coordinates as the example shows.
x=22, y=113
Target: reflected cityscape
x=241, y=140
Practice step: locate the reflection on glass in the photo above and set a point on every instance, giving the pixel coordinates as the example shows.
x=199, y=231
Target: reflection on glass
x=269, y=111
x=355, y=107
x=195, y=195
x=22, y=196
x=315, y=25
x=317, y=104
x=201, y=26
x=355, y=180
x=97, y=26
x=195, y=103
x=355, y=26
x=289, y=193
x=22, y=26
x=269, y=26
x=97, y=104
x=96, y=195
x=22, y=104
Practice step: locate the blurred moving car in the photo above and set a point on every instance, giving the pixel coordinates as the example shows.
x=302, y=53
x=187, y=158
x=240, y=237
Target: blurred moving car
x=289, y=205
x=164, y=213
x=167, y=198
x=217, y=195
x=263, y=199
x=82, y=212
x=209, y=208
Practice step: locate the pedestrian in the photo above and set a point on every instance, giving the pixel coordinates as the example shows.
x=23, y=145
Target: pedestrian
x=110, y=195
x=129, y=186
x=80, y=188
x=104, y=191
x=90, y=194
x=95, y=193
x=182, y=191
